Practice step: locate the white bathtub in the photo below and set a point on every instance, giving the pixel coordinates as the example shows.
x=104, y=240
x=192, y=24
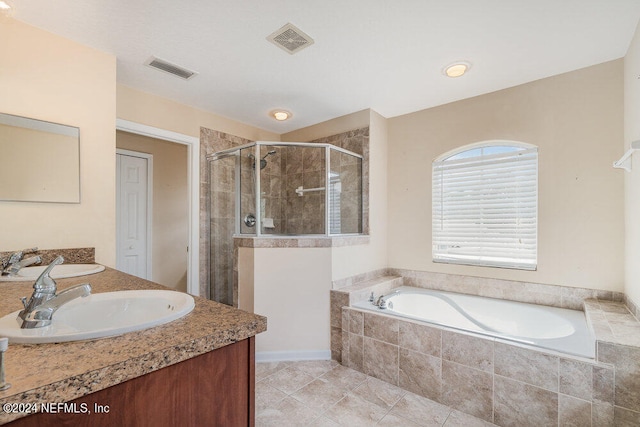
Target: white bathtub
x=550, y=328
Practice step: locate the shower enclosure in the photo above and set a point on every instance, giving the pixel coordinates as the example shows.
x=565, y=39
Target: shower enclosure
x=279, y=189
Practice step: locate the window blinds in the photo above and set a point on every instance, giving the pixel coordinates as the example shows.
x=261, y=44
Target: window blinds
x=485, y=206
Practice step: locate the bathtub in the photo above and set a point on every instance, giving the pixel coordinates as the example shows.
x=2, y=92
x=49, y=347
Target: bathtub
x=551, y=328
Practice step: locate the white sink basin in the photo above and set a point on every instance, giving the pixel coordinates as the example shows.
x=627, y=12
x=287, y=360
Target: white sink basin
x=102, y=315
x=61, y=271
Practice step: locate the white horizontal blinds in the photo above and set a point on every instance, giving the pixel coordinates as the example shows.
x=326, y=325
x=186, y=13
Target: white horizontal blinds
x=485, y=203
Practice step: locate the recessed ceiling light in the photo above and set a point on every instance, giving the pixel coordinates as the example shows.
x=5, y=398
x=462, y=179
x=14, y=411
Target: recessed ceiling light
x=281, y=115
x=4, y=6
x=457, y=69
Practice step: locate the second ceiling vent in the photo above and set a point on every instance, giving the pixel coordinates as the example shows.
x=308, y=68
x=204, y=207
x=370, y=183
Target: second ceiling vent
x=167, y=67
x=290, y=39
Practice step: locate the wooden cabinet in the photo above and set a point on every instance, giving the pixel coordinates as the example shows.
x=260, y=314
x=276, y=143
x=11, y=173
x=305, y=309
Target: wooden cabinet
x=213, y=389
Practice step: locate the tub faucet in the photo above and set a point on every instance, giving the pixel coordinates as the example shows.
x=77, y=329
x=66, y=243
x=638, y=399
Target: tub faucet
x=381, y=303
x=15, y=262
x=38, y=311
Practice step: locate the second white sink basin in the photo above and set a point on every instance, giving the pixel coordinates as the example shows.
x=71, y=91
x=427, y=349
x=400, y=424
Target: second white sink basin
x=103, y=315
x=61, y=271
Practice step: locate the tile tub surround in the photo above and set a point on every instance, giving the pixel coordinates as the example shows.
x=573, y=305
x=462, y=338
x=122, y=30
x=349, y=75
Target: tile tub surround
x=535, y=293
x=494, y=380
x=78, y=368
x=357, y=288
x=606, y=395
x=353, y=290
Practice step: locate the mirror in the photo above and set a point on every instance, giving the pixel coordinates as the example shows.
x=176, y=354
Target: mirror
x=40, y=161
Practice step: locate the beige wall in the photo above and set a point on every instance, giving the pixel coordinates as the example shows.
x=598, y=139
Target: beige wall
x=152, y=110
x=632, y=179
x=291, y=288
x=294, y=283
x=50, y=78
x=170, y=207
x=335, y=126
x=246, y=277
x=352, y=260
x=576, y=121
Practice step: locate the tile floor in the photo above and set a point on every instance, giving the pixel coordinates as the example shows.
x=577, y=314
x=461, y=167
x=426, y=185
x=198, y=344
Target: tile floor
x=325, y=393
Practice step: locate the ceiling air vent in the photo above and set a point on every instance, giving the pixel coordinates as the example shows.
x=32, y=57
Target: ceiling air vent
x=290, y=39
x=167, y=67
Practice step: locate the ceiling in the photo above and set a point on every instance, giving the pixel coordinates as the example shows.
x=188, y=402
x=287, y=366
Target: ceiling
x=381, y=54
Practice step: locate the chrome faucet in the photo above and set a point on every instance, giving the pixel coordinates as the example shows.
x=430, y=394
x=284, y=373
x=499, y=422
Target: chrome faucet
x=381, y=303
x=12, y=269
x=15, y=261
x=44, y=301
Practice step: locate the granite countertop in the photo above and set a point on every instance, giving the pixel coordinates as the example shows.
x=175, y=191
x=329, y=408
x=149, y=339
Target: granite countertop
x=46, y=373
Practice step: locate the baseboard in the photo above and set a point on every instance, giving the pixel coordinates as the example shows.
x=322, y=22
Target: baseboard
x=280, y=356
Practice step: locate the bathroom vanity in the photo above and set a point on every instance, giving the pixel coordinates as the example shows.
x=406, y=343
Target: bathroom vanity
x=197, y=370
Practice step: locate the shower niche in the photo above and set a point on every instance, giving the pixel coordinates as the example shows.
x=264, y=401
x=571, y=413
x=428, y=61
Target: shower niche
x=276, y=190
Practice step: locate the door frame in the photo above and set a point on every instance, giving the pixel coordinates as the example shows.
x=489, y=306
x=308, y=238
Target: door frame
x=149, y=220
x=193, y=188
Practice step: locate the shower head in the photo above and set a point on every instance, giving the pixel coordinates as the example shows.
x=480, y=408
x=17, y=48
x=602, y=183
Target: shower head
x=268, y=154
x=263, y=160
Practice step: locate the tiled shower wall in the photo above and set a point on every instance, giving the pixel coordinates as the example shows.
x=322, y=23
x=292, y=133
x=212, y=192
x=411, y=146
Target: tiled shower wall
x=222, y=216
x=356, y=141
x=284, y=172
x=303, y=166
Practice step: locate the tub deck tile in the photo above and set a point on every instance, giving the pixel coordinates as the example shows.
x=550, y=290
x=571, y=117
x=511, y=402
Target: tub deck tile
x=421, y=374
x=467, y=350
x=467, y=389
x=523, y=405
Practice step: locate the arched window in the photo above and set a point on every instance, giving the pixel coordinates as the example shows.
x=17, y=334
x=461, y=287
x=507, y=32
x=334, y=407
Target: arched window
x=485, y=205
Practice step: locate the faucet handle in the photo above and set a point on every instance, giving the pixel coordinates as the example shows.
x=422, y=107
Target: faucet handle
x=24, y=301
x=17, y=256
x=44, y=281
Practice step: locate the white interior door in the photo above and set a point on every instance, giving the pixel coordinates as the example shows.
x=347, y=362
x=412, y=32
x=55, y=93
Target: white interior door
x=133, y=208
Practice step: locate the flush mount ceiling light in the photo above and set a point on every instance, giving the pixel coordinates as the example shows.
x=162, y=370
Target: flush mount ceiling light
x=5, y=7
x=456, y=69
x=280, y=115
